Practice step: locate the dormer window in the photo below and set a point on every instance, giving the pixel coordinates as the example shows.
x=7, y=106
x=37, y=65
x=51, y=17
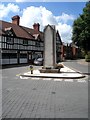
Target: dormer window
x=10, y=33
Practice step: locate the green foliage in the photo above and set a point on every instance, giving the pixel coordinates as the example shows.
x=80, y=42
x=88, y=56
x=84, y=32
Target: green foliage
x=81, y=29
x=87, y=57
x=82, y=54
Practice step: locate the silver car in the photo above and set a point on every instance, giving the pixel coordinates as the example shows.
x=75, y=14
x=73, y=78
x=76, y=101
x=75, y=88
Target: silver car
x=38, y=61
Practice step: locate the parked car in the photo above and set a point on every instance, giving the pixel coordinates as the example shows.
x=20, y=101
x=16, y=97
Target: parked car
x=38, y=61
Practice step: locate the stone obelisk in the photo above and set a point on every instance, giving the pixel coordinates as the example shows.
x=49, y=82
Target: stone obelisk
x=49, y=46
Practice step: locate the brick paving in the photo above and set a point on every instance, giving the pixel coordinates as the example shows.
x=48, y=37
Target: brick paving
x=43, y=97
x=26, y=98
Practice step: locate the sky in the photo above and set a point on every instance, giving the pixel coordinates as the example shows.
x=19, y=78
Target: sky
x=60, y=14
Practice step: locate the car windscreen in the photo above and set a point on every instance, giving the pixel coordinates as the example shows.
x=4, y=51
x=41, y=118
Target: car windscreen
x=40, y=59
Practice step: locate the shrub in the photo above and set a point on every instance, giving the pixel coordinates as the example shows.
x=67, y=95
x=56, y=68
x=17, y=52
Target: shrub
x=87, y=57
x=82, y=54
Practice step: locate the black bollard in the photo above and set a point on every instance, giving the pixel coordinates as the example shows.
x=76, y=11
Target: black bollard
x=31, y=69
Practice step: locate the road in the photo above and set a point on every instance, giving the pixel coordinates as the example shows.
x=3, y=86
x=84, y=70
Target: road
x=83, y=67
x=78, y=65
x=42, y=97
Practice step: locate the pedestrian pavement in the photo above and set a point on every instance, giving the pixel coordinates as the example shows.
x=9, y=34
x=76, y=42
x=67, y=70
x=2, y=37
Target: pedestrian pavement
x=65, y=72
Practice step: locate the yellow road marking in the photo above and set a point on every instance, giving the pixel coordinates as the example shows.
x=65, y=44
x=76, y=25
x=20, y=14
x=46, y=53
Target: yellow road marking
x=18, y=74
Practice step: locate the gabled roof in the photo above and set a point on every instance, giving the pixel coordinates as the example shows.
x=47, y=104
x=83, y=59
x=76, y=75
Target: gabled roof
x=24, y=32
x=51, y=26
x=33, y=32
x=59, y=37
x=19, y=31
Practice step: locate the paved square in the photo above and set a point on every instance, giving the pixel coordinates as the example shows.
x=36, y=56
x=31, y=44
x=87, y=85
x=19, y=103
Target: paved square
x=42, y=98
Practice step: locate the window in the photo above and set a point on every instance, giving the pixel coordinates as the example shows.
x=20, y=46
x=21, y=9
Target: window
x=15, y=40
x=2, y=45
x=23, y=55
x=18, y=46
x=21, y=41
x=15, y=46
x=30, y=42
x=9, y=33
x=9, y=55
x=5, y=39
x=9, y=40
x=25, y=42
x=30, y=48
x=33, y=42
x=18, y=41
x=37, y=44
x=41, y=44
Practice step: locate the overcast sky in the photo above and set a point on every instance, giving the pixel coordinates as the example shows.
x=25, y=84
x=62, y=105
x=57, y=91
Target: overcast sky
x=60, y=14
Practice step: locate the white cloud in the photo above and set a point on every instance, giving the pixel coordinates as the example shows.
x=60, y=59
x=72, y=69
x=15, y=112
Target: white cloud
x=37, y=14
x=43, y=16
x=5, y=10
x=65, y=18
x=65, y=32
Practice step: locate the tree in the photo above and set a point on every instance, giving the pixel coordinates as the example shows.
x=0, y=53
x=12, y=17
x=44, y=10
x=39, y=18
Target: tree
x=81, y=29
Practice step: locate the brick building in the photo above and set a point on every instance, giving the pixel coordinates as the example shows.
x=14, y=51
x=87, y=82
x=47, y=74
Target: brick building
x=69, y=51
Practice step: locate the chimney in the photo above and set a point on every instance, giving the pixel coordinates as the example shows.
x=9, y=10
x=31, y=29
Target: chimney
x=16, y=20
x=36, y=26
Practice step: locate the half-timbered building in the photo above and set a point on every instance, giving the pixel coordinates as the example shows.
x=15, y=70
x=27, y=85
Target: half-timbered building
x=20, y=44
